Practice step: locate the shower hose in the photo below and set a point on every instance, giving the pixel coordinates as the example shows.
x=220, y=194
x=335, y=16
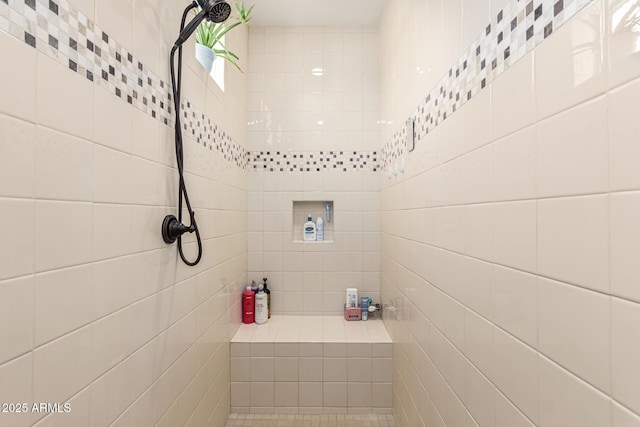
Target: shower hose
x=176, y=86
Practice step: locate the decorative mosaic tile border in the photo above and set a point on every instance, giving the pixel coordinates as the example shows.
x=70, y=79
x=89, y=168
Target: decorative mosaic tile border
x=511, y=34
x=58, y=30
x=306, y=161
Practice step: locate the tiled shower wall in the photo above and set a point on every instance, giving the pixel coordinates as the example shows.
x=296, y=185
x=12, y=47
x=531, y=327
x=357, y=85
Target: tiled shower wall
x=509, y=243
x=95, y=309
x=313, y=135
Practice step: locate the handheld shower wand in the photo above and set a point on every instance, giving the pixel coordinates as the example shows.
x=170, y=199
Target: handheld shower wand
x=216, y=11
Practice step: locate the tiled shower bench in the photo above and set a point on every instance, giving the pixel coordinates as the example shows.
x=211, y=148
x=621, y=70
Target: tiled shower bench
x=311, y=365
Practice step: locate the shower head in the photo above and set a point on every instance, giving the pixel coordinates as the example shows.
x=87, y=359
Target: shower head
x=216, y=11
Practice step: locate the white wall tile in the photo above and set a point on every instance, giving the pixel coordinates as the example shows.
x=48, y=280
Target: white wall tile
x=62, y=164
x=18, y=250
x=572, y=152
x=515, y=303
x=514, y=166
x=622, y=128
x=624, y=241
x=62, y=302
x=625, y=350
x=580, y=73
x=508, y=415
x=572, y=320
x=17, y=165
x=17, y=308
x=512, y=111
x=16, y=387
x=480, y=396
x=60, y=223
x=514, y=239
x=573, y=240
x=623, y=417
x=566, y=400
x=65, y=99
x=621, y=39
x=62, y=367
x=19, y=98
x=109, y=110
x=516, y=373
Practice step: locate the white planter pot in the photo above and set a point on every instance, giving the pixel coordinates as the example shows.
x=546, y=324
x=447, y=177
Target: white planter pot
x=205, y=56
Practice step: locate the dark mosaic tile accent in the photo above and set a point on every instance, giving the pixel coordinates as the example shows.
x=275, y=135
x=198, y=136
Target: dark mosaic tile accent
x=529, y=8
x=538, y=12
x=29, y=39
x=548, y=30
x=467, y=76
x=529, y=32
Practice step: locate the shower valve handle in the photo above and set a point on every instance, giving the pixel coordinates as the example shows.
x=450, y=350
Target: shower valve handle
x=172, y=229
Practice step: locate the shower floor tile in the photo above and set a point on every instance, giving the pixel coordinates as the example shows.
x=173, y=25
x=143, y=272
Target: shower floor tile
x=279, y=420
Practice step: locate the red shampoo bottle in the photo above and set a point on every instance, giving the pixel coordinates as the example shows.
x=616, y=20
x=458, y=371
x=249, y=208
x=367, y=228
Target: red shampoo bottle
x=248, y=306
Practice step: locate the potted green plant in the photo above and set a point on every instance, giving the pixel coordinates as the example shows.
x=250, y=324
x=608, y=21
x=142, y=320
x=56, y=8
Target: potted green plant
x=209, y=36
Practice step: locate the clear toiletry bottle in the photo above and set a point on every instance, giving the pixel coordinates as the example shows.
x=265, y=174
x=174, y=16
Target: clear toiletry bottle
x=309, y=230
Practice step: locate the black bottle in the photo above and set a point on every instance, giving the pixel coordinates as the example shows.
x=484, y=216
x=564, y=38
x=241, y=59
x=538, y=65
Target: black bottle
x=268, y=292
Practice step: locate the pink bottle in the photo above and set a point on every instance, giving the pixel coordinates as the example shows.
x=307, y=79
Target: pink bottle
x=248, y=306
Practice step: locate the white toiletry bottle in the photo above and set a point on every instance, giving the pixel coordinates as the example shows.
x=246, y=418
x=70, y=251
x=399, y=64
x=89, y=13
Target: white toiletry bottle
x=352, y=297
x=262, y=309
x=309, y=230
x=319, y=229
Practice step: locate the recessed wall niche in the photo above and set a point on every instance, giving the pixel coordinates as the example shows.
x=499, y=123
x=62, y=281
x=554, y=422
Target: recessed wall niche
x=315, y=208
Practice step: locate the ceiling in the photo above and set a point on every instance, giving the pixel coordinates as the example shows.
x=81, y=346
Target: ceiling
x=316, y=12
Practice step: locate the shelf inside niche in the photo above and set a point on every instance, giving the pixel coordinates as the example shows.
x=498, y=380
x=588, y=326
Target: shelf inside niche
x=315, y=208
